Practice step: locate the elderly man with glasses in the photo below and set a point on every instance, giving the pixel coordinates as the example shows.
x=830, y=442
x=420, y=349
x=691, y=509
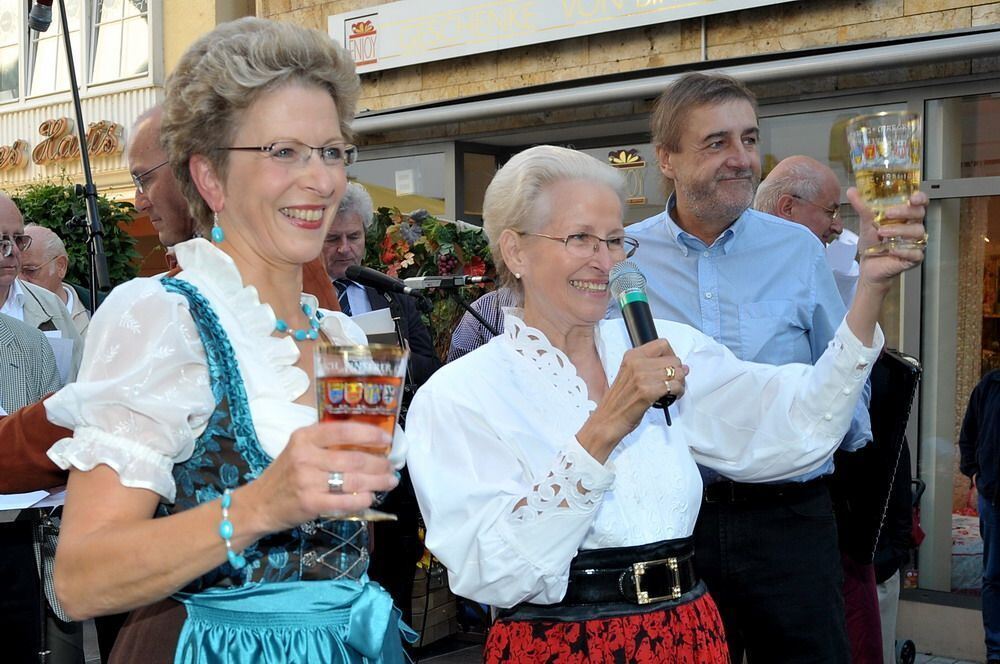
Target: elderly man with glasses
x=45, y=263
x=30, y=303
x=802, y=190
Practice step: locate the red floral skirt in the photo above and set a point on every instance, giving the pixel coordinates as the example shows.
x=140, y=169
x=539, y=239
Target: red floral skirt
x=689, y=633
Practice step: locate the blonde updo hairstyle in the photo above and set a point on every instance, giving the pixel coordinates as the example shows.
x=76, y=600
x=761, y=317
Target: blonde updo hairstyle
x=226, y=71
x=516, y=198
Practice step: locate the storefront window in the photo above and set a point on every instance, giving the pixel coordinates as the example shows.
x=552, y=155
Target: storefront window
x=407, y=183
x=10, y=22
x=972, y=149
x=978, y=353
x=646, y=194
x=120, y=39
x=821, y=135
x=48, y=71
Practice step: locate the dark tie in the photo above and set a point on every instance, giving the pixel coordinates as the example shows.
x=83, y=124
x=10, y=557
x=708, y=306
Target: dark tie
x=345, y=303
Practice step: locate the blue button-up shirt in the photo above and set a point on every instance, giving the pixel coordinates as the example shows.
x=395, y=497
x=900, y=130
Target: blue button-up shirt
x=762, y=288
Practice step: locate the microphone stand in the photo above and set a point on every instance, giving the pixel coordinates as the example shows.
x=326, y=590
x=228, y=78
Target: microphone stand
x=95, y=232
x=475, y=314
x=397, y=317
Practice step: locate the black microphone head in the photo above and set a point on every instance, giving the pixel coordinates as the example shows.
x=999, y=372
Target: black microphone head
x=353, y=272
x=40, y=17
x=625, y=277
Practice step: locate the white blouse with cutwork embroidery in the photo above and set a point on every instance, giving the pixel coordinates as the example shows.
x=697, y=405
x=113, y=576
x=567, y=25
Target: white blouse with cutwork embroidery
x=143, y=397
x=509, y=496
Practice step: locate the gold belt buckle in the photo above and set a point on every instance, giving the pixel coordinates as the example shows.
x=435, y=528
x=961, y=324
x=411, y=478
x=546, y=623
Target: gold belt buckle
x=639, y=570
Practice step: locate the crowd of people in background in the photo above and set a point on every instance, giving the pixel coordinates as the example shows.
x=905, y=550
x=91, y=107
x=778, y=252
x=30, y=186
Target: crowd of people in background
x=181, y=412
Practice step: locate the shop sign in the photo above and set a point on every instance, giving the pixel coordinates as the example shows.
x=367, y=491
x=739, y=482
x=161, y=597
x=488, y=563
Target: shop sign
x=14, y=156
x=61, y=144
x=633, y=167
x=405, y=32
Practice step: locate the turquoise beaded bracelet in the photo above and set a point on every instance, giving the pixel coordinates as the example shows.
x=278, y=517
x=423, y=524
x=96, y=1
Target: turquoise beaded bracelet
x=226, y=532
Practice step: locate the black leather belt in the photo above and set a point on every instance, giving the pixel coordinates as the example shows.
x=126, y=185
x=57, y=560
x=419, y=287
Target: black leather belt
x=642, y=575
x=727, y=492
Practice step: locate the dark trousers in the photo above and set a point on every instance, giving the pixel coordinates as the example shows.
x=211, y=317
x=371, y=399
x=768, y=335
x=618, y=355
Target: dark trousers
x=989, y=529
x=20, y=605
x=772, y=564
x=397, y=547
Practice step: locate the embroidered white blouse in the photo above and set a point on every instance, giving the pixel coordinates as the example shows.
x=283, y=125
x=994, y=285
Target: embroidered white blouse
x=509, y=496
x=143, y=396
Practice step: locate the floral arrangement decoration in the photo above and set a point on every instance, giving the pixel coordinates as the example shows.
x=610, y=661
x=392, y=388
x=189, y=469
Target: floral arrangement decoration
x=419, y=245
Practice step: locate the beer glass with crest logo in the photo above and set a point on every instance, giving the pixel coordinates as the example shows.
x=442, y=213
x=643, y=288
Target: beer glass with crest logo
x=886, y=150
x=360, y=384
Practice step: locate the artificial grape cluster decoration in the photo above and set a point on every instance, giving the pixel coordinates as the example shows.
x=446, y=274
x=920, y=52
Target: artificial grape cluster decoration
x=419, y=245
x=447, y=264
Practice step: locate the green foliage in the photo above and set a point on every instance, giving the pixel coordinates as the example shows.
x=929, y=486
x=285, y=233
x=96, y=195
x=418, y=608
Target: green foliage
x=52, y=205
x=402, y=247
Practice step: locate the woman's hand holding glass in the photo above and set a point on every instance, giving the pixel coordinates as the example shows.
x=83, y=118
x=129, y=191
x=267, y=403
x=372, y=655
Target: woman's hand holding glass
x=647, y=373
x=879, y=269
x=295, y=487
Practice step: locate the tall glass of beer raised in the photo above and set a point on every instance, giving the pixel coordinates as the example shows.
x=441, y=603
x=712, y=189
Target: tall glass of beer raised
x=885, y=155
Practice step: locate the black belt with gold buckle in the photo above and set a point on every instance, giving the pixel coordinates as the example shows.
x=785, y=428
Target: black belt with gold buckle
x=650, y=577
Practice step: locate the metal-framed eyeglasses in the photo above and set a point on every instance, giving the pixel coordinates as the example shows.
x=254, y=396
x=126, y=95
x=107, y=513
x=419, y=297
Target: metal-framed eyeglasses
x=832, y=212
x=585, y=245
x=139, y=179
x=8, y=242
x=31, y=270
x=297, y=153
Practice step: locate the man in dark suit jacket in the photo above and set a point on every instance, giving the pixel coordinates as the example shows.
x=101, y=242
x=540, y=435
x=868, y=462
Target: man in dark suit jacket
x=397, y=547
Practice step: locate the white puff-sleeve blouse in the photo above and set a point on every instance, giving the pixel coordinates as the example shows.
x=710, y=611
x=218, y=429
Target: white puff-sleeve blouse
x=509, y=496
x=143, y=396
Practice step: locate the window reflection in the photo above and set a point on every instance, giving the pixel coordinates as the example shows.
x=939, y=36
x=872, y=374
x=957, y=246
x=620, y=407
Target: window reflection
x=645, y=187
x=9, y=54
x=407, y=183
x=120, y=39
x=48, y=69
x=821, y=136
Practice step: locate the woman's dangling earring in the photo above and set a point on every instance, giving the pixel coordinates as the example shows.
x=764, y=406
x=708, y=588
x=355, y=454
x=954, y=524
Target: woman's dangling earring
x=217, y=233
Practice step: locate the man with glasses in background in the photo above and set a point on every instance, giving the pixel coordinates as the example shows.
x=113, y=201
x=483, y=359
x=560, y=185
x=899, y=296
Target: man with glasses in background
x=802, y=190
x=30, y=303
x=45, y=263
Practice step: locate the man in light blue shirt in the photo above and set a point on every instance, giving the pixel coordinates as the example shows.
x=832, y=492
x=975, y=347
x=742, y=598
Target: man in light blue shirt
x=761, y=286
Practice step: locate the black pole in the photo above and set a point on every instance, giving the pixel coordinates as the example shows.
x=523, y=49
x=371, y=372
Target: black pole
x=95, y=232
x=458, y=298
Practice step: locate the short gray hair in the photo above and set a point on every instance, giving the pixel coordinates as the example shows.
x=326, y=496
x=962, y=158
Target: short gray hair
x=515, y=197
x=54, y=245
x=796, y=179
x=357, y=201
x=223, y=73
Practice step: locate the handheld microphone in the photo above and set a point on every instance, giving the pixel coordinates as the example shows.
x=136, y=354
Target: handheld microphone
x=40, y=16
x=628, y=287
x=380, y=282
x=456, y=281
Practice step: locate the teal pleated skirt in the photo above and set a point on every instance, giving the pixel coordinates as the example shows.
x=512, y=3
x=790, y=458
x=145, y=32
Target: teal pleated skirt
x=299, y=621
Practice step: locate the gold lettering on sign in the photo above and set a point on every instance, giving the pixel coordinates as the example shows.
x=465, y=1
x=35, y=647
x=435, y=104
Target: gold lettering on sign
x=13, y=156
x=61, y=144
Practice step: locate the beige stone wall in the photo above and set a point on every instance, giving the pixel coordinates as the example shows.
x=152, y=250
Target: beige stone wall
x=186, y=20
x=768, y=30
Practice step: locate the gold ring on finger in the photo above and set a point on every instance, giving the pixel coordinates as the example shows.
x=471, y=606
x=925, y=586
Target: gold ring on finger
x=922, y=242
x=671, y=372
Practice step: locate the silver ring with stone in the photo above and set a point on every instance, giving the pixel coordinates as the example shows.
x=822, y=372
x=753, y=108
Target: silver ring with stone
x=335, y=482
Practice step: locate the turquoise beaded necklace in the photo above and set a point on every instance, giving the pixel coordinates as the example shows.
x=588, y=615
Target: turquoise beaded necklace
x=311, y=334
